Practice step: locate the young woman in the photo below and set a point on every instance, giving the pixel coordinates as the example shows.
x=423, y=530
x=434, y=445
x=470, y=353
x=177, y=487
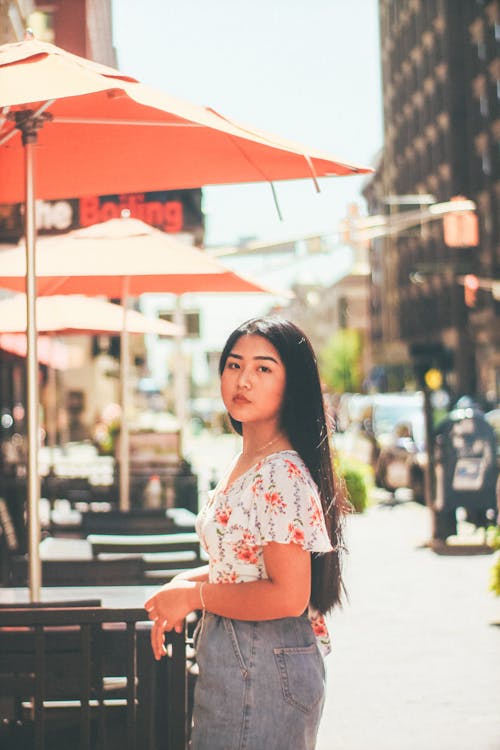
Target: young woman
x=272, y=531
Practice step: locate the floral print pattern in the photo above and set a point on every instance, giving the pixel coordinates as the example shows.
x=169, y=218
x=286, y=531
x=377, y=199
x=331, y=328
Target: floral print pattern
x=274, y=501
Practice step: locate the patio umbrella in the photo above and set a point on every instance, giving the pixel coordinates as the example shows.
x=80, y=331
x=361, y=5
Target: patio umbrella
x=73, y=314
x=77, y=314
x=120, y=258
x=100, y=131
x=54, y=354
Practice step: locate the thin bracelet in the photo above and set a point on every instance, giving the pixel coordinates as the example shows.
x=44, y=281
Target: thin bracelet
x=203, y=606
x=203, y=611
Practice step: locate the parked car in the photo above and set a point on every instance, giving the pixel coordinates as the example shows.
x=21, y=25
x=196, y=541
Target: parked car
x=493, y=417
x=388, y=432
x=356, y=439
x=402, y=457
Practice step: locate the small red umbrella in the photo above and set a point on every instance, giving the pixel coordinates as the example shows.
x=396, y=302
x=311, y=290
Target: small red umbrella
x=71, y=314
x=120, y=258
x=77, y=314
x=53, y=354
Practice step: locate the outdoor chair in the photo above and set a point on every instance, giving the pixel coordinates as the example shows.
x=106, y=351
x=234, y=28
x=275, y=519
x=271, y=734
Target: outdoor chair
x=85, y=678
x=123, y=571
x=163, y=555
x=134, y=521
x=10, y=544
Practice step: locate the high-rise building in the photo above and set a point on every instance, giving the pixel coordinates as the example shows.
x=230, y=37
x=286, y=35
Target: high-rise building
x=83, y=27
x=14, y=19
x=441, y=86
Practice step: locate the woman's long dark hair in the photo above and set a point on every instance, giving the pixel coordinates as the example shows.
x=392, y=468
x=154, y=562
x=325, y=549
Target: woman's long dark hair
x=303, y=420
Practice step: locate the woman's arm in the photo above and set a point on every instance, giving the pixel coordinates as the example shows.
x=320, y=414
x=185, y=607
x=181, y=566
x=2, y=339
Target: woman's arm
x=284, y=594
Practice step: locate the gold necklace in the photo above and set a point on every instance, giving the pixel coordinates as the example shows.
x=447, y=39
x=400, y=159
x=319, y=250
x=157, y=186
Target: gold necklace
x=268, y=445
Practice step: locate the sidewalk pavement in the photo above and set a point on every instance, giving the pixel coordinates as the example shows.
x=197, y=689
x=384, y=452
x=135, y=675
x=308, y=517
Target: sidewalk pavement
x=416, y=659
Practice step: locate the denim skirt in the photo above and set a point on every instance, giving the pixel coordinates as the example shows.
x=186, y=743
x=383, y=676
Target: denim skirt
x=260, y=685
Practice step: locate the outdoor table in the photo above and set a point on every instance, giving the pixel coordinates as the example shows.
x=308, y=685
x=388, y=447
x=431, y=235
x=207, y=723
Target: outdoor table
x=110, y=596
x=123, y=558
x=57, y=548
x=73, y=522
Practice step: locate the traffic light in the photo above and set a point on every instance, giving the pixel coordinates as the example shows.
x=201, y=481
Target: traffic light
x=433, y=378
x=471, y=285
x=431, y=357
x=461, y=229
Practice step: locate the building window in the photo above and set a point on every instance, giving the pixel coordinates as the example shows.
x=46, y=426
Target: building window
x=191, y=322
x=486, y=163
x=42, y=24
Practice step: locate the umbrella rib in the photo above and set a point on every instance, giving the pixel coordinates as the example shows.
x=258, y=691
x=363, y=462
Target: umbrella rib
x=313, y=172
x=3, y=116
x=98, y=121
x=8, y=136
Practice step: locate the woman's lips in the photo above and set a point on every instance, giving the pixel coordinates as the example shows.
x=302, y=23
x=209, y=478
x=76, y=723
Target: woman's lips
x=240, y=399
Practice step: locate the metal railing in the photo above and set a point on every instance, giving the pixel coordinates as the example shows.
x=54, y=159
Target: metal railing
x=89, y=673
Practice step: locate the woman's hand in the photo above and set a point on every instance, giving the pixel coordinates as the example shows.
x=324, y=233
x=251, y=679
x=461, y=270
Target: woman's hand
x=168, y=609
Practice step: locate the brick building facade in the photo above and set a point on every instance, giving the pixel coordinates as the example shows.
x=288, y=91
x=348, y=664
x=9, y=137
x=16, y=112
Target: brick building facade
x=441, y=83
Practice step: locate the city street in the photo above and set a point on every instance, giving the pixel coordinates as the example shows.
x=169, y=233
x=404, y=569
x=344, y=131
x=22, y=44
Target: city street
x=131, y=174
x=415, y=660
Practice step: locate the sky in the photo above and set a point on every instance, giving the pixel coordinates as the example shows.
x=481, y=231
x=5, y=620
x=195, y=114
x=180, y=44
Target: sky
x=308, y=71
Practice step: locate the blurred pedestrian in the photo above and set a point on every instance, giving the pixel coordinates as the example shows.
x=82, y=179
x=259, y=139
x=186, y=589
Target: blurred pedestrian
x=272, y=529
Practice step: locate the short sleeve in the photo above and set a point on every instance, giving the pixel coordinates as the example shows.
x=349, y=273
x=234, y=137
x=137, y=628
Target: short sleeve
x=287, y=506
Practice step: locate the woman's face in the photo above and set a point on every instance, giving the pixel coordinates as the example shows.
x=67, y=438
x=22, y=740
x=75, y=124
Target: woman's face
x=253, y=381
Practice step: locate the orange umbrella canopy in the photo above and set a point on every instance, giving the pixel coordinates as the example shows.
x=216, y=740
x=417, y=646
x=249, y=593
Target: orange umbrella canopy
x=76, y=314
x=117, y=258
x=55, y=354
x=106, y=132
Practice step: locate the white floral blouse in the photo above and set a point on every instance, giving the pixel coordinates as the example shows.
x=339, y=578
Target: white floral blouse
x=276, y=500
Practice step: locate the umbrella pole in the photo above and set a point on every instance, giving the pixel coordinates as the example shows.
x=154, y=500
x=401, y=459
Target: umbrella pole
x=29, y=122
x=180, y=376
x=34, y=566
x=51, y=407
x=124, y=497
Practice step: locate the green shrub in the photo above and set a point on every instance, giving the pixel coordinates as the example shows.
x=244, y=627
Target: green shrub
x=493, y=539
x=495, y=576
x=356, y=485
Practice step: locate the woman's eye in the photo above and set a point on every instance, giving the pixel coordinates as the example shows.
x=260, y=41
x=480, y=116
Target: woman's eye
x=263, y=368
x=232, y=365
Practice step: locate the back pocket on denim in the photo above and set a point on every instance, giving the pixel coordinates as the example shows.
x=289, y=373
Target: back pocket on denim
x=302, y=675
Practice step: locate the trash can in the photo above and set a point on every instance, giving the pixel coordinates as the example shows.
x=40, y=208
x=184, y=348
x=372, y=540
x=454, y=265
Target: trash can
x=466, y=472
